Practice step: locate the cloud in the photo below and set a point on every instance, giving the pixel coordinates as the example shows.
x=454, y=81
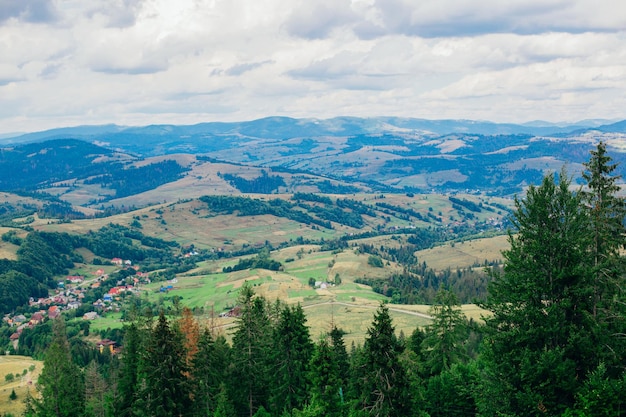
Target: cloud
x=118, y=13
x=452, y=18
x=243, y=68
x=317, y=19
x=152, y=61
x=31, y=11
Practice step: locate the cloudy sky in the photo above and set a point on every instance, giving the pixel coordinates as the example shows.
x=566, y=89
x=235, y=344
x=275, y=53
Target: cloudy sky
x=137, y=62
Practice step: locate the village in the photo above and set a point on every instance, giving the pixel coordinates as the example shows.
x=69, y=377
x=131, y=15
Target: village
x=70, y=295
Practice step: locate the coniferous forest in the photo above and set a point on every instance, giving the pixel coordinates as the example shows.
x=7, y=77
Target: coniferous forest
x=553, y=343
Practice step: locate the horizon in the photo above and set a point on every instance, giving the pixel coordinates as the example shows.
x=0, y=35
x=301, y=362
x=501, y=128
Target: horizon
x=534, y=123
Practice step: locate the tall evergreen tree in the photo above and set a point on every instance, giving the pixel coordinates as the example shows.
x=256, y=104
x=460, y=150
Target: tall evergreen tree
x=208, y=373
x=60, y=383
x=341, y=354
x=163, y=374
x=292, y=352
x=539, y=341
x=326, y=384
x=127, y=380
x=251, y=377
x=384, y=386
x=607, y=212
x=444, y=342
x=96, y=392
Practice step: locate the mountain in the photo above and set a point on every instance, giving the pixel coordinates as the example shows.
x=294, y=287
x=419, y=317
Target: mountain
x=285, y=127
x=91, y=165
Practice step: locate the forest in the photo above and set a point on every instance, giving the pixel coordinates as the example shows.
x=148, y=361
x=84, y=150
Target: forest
x=552, y=344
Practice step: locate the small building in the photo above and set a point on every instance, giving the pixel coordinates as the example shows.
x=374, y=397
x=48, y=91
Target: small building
x=106, y=344
x=92, y=315
x=36, y=318
x=54, y=312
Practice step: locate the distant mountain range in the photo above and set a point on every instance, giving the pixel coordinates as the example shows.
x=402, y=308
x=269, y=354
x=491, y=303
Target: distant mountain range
x=286, y=128
x=339, y=155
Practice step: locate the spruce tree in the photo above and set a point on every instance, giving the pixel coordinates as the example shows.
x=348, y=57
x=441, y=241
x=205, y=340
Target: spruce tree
x=292, y=352
x=540, y=337
x=327, y=397
x=384, y=386
x=60, y=383
x=341, y=354
x=208, y=373
x=607, y=211
x=164, y=383
x=251, y=352
x=444, y=342
x=96, y=391
x=127, y=381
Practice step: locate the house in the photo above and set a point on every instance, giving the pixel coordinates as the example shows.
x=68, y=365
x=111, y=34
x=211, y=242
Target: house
x=76, y=279
x=92, y=315
x=19, y=319
x=73, y=305
x=106, y=344
x=36, y=318
x=117, y=261
x=54, y=312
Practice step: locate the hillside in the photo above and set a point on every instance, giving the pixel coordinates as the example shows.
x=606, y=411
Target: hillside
x=137, y=166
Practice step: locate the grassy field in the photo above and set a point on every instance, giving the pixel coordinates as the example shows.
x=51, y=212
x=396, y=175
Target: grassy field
x=349, y=305
x=464, y=254
x=27, y=371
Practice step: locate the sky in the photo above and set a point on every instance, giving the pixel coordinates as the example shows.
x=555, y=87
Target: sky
x=140, y=62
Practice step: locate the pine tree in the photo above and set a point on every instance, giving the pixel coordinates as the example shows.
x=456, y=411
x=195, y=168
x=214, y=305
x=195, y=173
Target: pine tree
x=163, y=374
x=127, y=381
x=96, y=391
x=191, y=333
x=383, y=381
x=444, y=342
x=326, y=384
x=223, y=405
x=251, y=377
x=539, y=341
x=209, y=368
x=292, y=352
x=607, y=212
x=60, y=382
x=341, y=354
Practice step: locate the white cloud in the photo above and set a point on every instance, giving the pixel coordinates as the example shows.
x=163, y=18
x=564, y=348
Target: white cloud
x=154, y=61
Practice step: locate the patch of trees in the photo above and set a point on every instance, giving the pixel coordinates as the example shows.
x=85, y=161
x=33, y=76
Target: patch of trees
x=262, y=261
x=9, y=212
x=264, y=184
x=406, y=211
x=465, y=203
x=34, y=165
x=419, y=285
x=425, y=238
x=59, y=210
x=337, y=215
x=132, y=180
x=312, y=197
x=115, y=240
x=246, y=206
x=327, y=187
